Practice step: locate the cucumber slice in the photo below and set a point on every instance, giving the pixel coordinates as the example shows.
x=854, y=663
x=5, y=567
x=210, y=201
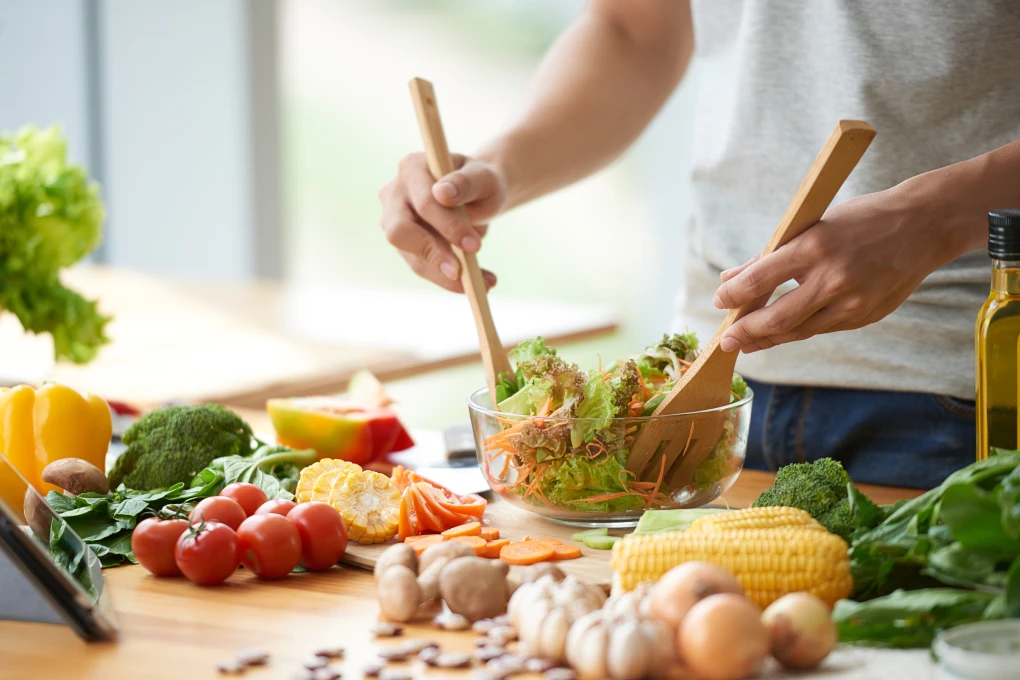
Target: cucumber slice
x=600, y=542
x=581, y=535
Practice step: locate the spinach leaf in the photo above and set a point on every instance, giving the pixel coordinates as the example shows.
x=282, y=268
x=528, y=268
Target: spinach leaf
x=1012, y=609
x=975, y=518
x=910, y=618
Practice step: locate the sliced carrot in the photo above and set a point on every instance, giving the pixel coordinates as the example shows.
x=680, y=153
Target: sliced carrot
x=551, y=541
x=469, y=529
x=423, y=512
x=489, y=533
x=405, y=527
x=423, y=542
x=566, y=552
x=526, y=552
x=477, y=543
x=492, y=548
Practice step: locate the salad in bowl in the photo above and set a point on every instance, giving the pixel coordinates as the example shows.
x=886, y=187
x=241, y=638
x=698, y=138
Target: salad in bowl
x=558, y=441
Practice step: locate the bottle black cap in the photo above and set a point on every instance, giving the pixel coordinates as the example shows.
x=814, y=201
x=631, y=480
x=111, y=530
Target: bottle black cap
x=1004, y=234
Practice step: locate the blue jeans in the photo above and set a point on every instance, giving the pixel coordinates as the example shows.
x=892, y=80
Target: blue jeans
x=896, y=438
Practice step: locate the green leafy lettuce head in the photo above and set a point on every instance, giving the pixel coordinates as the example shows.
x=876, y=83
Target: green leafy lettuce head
x=663, y=358
x=50, y=217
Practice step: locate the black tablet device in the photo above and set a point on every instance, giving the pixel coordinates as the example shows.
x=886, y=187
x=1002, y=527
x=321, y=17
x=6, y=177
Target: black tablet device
x=46, y=570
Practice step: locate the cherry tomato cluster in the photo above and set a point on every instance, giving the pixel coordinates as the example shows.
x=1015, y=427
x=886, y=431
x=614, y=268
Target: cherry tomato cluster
x=240, y=526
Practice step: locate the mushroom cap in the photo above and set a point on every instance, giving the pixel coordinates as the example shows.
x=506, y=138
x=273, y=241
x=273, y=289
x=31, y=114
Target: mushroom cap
x=446, y=551
x=401, y=553
x=474, y=587
x=76, y=476
x=397, y=591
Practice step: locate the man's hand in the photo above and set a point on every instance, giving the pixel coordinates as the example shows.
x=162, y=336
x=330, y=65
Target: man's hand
x=420, y=219
x=854, y=267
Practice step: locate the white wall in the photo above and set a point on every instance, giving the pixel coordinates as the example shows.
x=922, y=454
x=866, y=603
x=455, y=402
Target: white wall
x=163, y=102
x=43, y=74
x=175, y=115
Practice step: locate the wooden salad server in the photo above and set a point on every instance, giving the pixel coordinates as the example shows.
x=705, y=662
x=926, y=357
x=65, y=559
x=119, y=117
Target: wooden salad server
x=494, y=356
x=706, y=383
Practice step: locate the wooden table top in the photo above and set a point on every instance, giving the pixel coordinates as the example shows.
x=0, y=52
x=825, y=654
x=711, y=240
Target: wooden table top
x=240, y=343
x=173, y=629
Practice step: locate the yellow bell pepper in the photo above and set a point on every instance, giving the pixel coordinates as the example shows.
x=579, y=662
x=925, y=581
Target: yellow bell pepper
x=39, y=426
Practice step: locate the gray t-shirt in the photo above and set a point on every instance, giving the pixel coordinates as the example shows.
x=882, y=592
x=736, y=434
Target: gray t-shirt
x=939, y=81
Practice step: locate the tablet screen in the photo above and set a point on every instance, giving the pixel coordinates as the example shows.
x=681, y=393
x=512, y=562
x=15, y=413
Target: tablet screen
x=52, y=556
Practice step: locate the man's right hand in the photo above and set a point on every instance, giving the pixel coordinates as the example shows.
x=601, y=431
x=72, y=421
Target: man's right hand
x=421, y=219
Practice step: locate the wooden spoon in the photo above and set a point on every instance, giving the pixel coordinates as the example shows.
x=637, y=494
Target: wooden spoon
x=706, y=383
x=441, y=164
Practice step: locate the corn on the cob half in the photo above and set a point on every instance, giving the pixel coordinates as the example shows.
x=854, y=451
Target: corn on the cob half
x=328, y=469
x=369, y=504
x=768, y=563
x=756, y=518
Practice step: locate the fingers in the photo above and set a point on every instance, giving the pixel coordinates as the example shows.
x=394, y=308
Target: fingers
x=758, y=279
x=473, y=182
x=825, y=320
x=407, y=234
x=453, y=225
x=427, y=271
x=727, y=274
x=783, y=316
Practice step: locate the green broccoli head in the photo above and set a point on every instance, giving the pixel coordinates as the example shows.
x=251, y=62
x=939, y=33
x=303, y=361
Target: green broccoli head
x=173, y=444
x=825, y=491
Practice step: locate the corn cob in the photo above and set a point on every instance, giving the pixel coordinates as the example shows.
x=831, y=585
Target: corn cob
x=306, y=486
x=757, y=518
x=369, y=504
x=768, y=563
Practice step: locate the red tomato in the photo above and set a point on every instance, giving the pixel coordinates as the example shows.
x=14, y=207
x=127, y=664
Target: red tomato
x=279, y=507
x=218, y=509
x=207, y=553
x=248, y=496
x=153, y=542
x=323, y=535
x=270, y=545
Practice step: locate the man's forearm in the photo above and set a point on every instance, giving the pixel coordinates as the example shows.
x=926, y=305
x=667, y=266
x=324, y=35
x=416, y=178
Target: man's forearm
x=595, y=91
x=957, y=198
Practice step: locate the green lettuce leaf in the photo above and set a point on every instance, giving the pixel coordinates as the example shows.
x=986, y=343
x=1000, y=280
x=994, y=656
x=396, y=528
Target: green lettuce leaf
x=50, y=217
x=574, y=478
x=597, y=409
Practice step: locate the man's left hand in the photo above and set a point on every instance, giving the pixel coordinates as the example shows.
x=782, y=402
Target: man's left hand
x=854, y=267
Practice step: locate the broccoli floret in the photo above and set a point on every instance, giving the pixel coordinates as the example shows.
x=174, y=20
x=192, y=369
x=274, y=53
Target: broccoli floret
x=824, y=490
x=173, y=444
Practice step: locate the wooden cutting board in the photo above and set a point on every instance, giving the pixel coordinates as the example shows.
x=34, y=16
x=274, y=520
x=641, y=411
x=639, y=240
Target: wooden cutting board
x=515, y=523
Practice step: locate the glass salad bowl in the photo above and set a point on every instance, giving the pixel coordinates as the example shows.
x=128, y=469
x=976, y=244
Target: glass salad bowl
x=589, y=483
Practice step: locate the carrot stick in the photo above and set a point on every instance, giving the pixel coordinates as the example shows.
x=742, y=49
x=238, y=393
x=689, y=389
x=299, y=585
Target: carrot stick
x=423, y=542
x=658, y=482
x=489, y=533
x=566, y=552
x=476, y=543
x=526, y=552
x=469, y=529
x=492, y=548
x=546, y=407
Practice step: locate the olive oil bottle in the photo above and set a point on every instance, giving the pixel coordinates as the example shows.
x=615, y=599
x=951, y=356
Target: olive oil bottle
x=997, y=339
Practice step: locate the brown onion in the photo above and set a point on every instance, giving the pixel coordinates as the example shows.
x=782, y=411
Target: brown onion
x=722, y=638
x=683, y=586
x=801, y=631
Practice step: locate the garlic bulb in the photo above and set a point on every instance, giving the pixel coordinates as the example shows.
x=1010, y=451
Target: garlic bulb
x=544, y=610
x=605, y=644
